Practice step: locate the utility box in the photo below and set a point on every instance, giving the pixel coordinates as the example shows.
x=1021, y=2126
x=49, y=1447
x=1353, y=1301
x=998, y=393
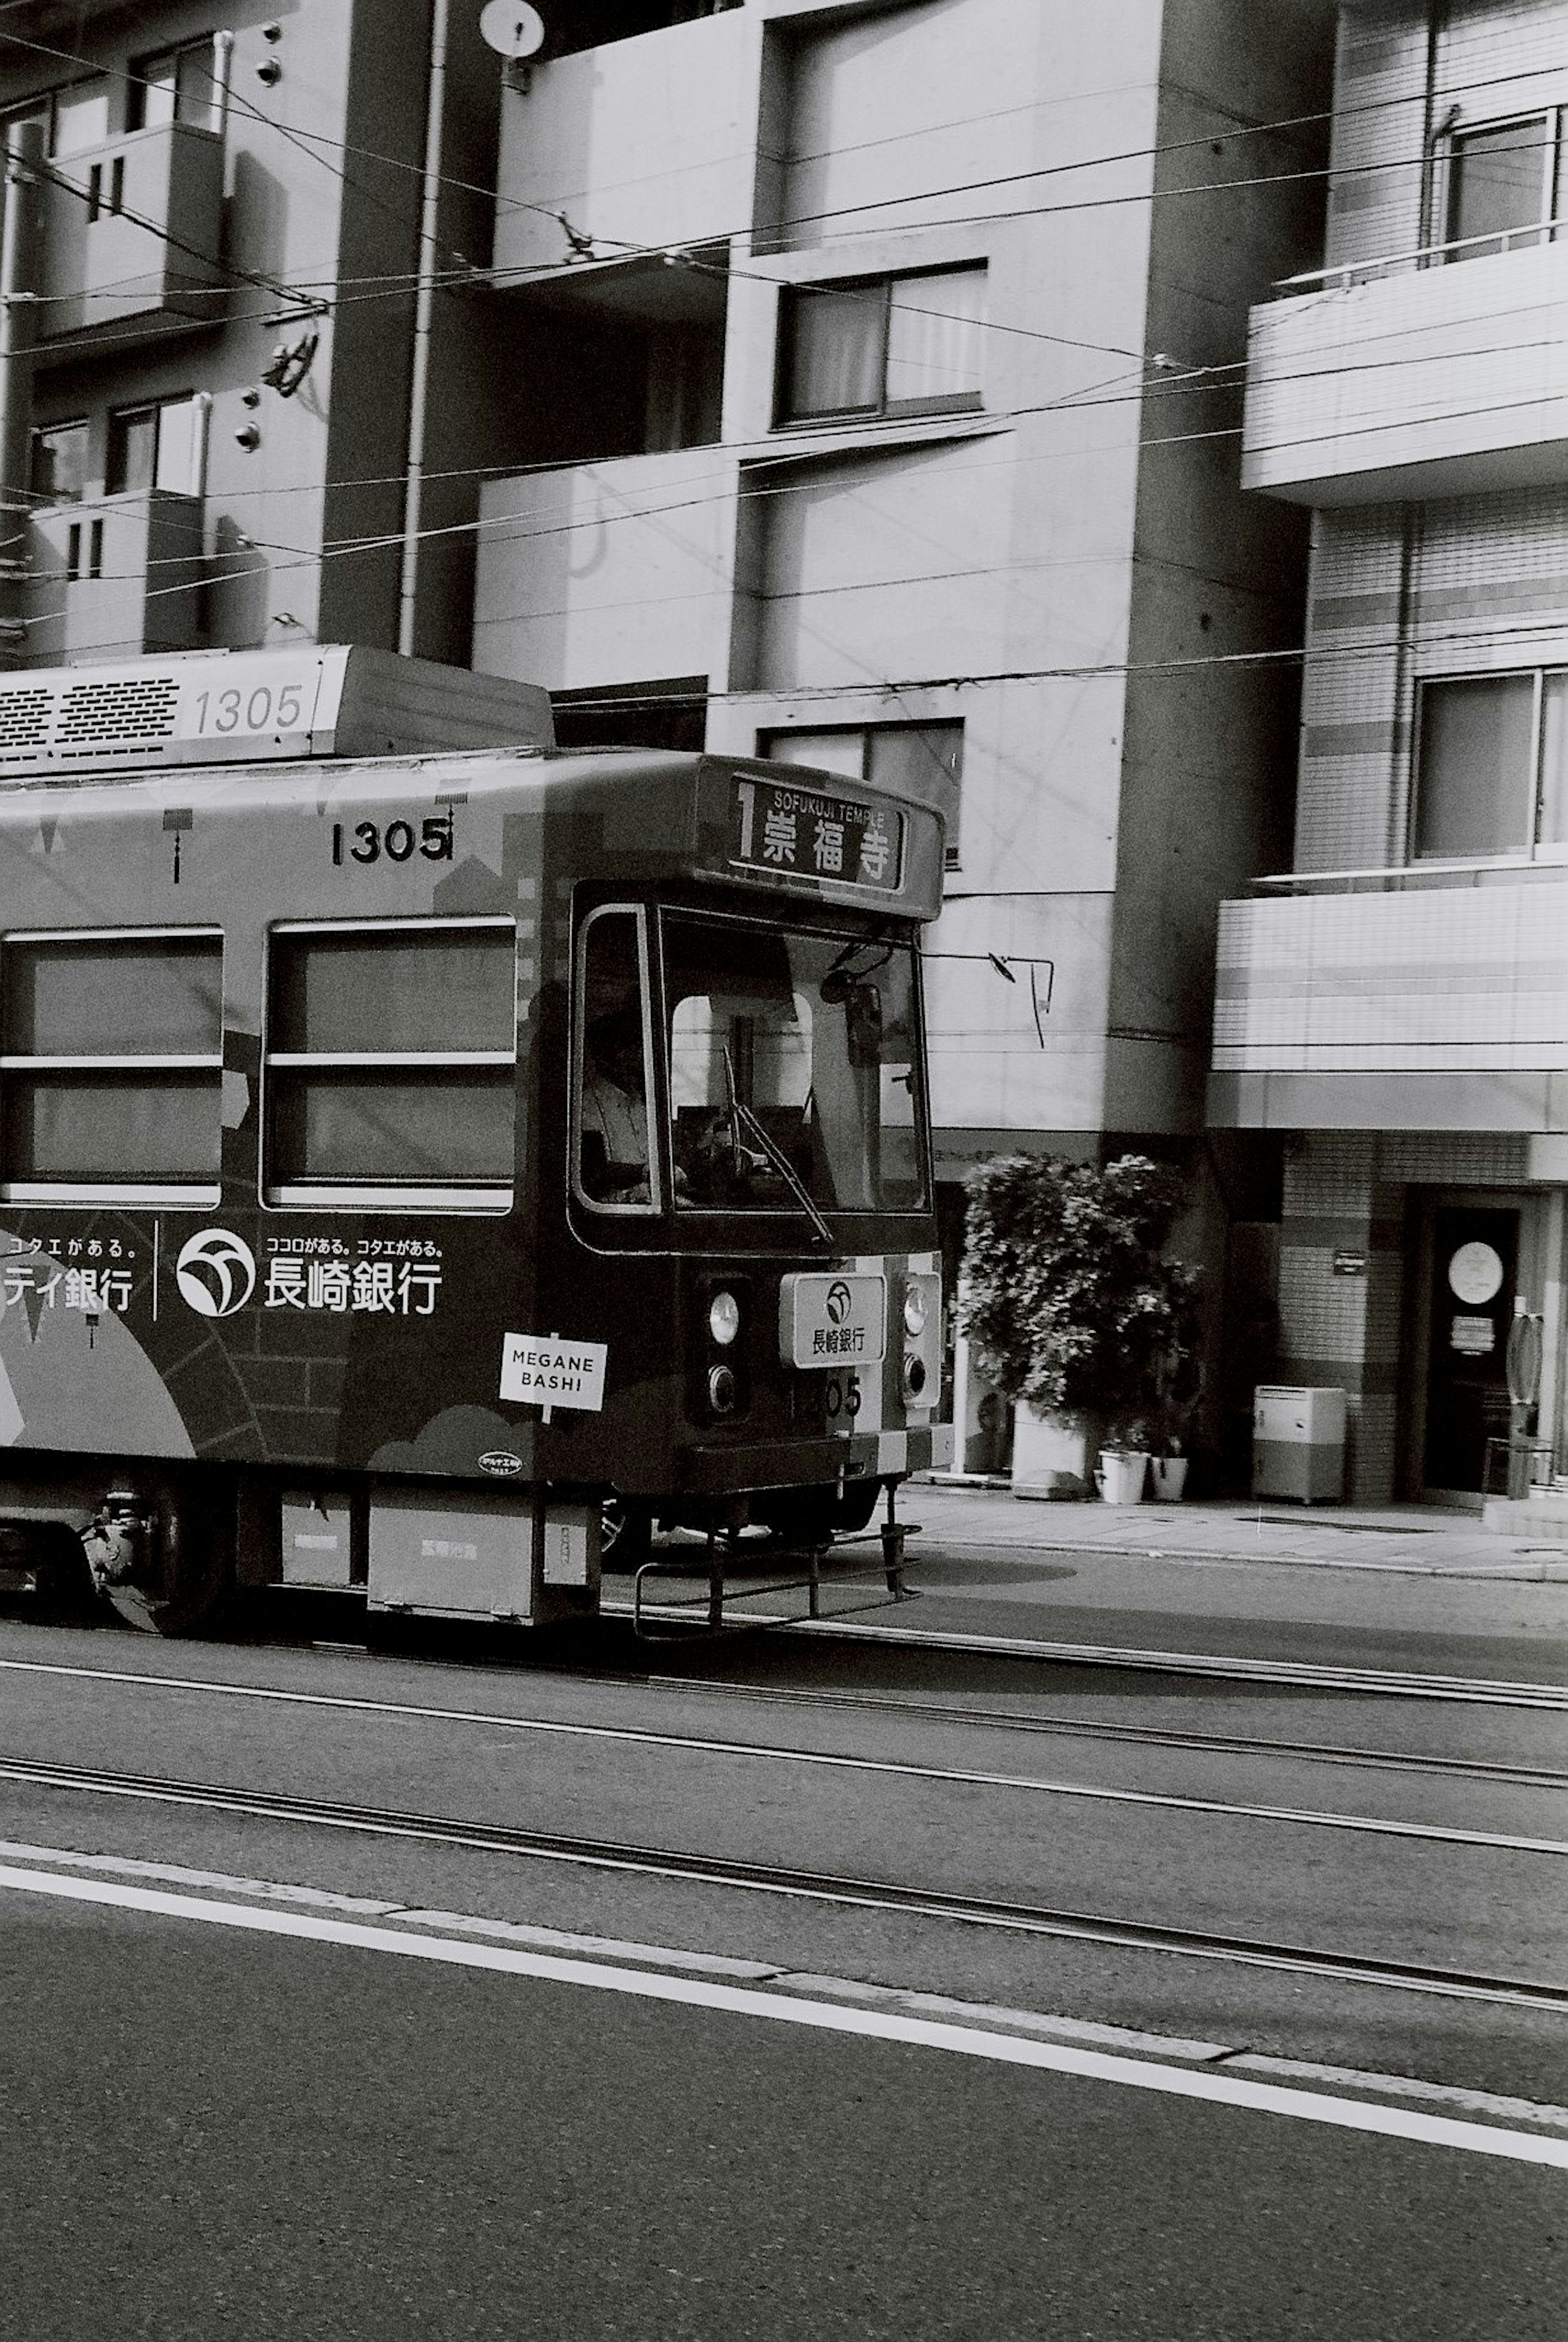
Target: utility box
x=1298, y=1442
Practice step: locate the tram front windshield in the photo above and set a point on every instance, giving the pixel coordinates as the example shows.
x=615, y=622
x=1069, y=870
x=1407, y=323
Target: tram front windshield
x=794, y=1069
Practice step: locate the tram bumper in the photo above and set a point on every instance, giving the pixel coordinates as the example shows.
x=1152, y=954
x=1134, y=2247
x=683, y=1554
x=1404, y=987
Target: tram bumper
x=813, y=1463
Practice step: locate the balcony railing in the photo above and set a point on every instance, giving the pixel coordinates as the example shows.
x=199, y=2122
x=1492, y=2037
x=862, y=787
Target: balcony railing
x=1406, y=877
x=1393, y=379
x=1420, y=256
x=1456, y=977
x=588, y=165
x=131, y=234
x=119, y=575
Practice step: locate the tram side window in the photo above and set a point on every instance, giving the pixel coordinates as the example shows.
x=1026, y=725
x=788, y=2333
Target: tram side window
x=111, y=1068
x=614, y=1164
x=390, y=1065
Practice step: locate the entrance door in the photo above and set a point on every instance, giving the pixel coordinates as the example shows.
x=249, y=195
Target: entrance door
x=1474, y=1263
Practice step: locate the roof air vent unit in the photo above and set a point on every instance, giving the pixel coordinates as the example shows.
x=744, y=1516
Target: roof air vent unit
x=231, y=707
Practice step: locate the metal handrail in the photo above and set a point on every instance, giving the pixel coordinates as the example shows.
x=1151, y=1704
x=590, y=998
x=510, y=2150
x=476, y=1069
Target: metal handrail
x=1399, y=877
x=1346, y=272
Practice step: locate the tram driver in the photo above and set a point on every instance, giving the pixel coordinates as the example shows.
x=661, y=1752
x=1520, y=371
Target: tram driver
x=613, y=1168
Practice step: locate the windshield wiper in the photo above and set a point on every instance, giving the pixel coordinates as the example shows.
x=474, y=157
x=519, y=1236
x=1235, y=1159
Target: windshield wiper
x=743, y=1118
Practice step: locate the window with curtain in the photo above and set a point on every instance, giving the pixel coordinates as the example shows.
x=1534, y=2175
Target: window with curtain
x=895, y=346
x=390, y=1064
x=152, y=446
x=111, y=1067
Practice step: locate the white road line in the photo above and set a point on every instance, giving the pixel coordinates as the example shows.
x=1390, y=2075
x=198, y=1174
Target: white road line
x=1363, y=1825
x=693, y=1991
x=271, y=1890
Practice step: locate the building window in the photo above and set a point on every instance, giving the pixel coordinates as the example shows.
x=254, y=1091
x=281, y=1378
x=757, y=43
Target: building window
x=923, y=761
x=79, y=117
x=72, y=119
x=1501, y=185
x=111, y=1069
x=176, y=85
x=390, y=1071
x=153, y=446
x=1492, y=766
x=59, y=462
x=898, y=346
x=671, y=713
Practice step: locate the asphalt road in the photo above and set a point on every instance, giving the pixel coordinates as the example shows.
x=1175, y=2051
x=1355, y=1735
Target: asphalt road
x=701, y=2124
x=209, y=2134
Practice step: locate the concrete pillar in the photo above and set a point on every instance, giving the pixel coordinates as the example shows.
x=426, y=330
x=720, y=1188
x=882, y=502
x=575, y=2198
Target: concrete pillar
x=18, y=333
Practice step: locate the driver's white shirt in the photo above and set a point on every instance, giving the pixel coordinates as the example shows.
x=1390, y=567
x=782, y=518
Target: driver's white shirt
x=620, y=1119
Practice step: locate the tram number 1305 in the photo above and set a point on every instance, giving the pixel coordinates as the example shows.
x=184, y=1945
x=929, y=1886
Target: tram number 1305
x=841, y=1396
x=367, y=841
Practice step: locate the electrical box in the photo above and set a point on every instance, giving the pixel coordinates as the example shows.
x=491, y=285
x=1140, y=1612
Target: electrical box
x=316, y=1539
x=1298, y=1442
x=453, y=1554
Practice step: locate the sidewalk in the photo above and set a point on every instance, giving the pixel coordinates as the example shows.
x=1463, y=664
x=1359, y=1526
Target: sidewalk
x=1406, y=1540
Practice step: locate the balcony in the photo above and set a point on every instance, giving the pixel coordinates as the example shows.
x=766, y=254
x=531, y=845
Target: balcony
x=607, y=573
x=117, y=577
x=588, y=136
x=130, y=240
x=1395, y=378
x=1438, y=1000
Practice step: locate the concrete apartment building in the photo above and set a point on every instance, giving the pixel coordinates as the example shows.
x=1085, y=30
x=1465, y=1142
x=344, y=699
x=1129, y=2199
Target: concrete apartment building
x=1398, y=1004
x=876, y=393
x=235, y=370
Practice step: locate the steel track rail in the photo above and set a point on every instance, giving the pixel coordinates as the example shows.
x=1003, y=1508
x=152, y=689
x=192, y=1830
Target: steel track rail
x=819, y=1886
x=1136, y=1735
x=836, y=1761
x=1303, y=1675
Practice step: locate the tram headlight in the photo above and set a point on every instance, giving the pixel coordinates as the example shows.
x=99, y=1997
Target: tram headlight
x=914, y=1376
x=722, y=1392
x=723, y=1318
x=915, y=1309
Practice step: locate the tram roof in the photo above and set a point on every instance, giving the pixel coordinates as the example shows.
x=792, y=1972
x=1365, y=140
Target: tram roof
x=630, y=814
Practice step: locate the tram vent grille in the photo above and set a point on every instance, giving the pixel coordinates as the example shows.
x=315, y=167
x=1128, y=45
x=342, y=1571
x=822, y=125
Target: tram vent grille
x=133, y=713
x=23, y=724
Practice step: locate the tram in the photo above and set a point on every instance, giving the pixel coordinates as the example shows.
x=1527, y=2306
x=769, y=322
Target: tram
x=420, y=1146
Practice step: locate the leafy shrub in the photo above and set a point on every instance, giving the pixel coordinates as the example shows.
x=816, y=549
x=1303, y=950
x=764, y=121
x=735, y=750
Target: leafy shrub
x=1070, y=1304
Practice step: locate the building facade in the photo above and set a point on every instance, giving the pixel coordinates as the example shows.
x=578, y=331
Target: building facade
x=1396, y=1005
x=257, y=396
x=876, y=374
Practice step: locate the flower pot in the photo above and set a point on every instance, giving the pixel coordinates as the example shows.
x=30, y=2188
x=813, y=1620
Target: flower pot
x=1170, y=1479
x=1121, y=1477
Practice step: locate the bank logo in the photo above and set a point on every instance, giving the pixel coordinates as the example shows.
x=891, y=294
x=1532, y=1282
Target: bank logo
x=840, y=1302
x=215, y=1272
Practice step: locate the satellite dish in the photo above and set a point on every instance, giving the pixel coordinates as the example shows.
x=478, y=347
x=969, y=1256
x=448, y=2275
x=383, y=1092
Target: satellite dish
x=512, y=27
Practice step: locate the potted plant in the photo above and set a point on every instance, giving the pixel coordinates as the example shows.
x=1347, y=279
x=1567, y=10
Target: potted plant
x=1072, y=1310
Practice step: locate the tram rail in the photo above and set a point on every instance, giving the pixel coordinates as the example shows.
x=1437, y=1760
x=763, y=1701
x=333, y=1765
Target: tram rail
x=841, y=1761
x=824, y=1888
x=1219, y=1744
x=1217, y=1665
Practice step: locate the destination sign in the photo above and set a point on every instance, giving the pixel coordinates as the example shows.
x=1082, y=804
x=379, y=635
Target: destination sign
x=788, y=831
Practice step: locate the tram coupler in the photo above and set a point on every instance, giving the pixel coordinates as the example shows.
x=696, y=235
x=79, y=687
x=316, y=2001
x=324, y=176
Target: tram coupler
x=118, y=1540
